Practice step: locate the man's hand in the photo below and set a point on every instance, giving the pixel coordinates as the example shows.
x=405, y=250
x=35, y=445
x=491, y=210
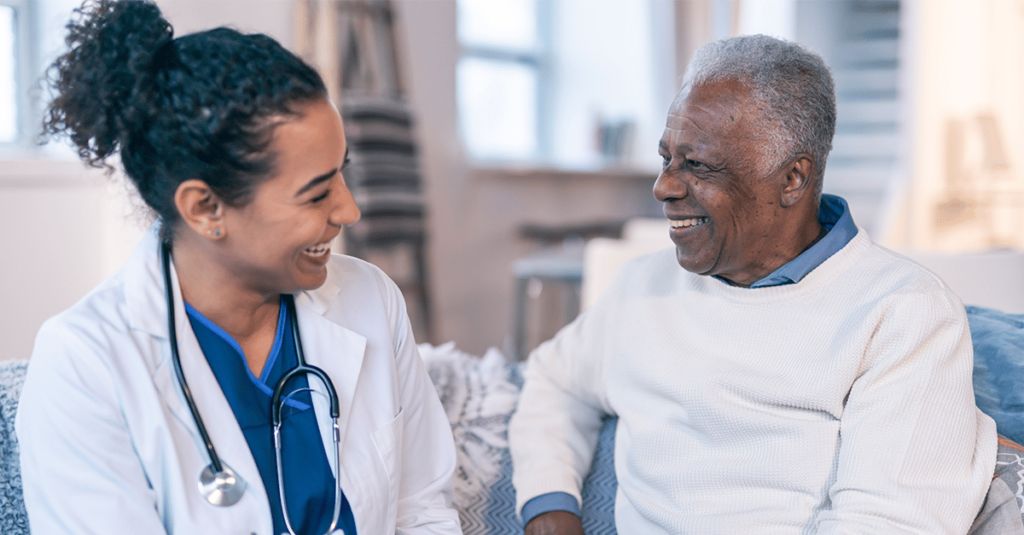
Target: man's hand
x=555, y=523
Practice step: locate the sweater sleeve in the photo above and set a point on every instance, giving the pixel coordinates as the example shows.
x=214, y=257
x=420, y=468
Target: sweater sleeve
x=554, y=431
x=915, y=455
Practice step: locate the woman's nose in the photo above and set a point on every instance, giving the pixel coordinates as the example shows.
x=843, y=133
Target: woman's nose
x=345, y=210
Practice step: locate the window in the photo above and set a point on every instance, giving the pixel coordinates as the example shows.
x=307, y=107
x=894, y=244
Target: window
x=31, y=37
x=499, y=78
x=577, y=84
x=14, y=58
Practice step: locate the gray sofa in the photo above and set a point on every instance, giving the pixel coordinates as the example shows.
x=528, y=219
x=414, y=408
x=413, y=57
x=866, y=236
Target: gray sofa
x=13, y=520
x=480, y=393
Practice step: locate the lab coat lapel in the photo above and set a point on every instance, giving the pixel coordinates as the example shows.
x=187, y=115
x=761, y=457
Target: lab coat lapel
x=146, y=301
x=336, y=350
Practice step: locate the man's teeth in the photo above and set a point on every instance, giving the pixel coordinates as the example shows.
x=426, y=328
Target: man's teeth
x=684, y=223
x=319, y=250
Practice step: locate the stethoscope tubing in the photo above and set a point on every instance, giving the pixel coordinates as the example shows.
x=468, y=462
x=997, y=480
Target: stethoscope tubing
x=218, y=469
x=276, y=420
x=172, y=333
x=301, y=368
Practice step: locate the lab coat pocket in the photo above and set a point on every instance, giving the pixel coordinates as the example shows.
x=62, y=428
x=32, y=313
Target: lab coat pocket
x=388, y=440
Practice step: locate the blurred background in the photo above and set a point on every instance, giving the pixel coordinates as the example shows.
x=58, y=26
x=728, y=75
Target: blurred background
x=493, y=139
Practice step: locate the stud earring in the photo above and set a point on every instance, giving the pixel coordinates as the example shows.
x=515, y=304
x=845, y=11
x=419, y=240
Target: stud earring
x=215, y=233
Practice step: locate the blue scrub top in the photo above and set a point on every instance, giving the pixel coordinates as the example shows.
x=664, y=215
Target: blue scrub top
x=309, y=481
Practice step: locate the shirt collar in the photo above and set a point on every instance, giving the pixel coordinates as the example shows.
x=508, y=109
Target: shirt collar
x=834, y=216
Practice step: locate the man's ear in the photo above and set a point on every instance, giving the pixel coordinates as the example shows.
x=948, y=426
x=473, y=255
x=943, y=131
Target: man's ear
x=200, y=208
x=799, y=179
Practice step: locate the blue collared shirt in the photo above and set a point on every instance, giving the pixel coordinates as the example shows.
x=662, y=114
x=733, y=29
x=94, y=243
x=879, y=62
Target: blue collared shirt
x=834, y=216
x=309, y=481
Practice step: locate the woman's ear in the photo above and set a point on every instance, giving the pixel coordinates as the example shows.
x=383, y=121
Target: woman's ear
x=799, y=179
x=200, y=208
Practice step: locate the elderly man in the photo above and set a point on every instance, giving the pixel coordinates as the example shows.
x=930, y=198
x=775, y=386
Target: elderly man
x=792, y=377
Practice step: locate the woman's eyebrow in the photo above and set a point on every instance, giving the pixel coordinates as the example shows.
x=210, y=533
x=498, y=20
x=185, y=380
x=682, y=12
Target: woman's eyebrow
x=316, y=180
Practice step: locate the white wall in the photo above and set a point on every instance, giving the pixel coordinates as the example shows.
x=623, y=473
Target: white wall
x=65, y=229
x=272, y=17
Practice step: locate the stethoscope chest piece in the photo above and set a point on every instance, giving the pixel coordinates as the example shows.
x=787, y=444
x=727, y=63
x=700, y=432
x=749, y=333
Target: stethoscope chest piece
x=222, y=488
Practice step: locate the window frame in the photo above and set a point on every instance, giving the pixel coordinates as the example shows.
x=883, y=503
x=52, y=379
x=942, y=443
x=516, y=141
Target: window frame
x=538, y=59
x=25, y=73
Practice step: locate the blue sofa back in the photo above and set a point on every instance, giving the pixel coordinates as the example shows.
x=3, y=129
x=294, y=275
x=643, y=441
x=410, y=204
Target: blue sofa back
x=999, y=368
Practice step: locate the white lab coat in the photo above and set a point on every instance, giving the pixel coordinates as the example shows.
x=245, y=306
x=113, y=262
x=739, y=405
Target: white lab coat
x=108, y=444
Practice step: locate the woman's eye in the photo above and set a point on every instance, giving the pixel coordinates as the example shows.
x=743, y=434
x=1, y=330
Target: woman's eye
x=321, y=197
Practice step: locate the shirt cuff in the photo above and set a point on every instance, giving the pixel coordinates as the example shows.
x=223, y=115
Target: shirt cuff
x=545, y=503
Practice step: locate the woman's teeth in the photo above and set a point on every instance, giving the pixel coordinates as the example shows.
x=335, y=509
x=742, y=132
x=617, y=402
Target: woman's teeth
x=684, y=223
x=319, y=250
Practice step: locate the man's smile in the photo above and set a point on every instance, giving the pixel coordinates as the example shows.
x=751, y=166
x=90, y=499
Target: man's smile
x=687, y=223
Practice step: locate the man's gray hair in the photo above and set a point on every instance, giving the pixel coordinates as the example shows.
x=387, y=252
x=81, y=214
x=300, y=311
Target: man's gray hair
x=792, y=88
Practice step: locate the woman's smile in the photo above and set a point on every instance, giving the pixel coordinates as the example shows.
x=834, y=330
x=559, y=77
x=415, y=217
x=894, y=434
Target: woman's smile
x=319, y=250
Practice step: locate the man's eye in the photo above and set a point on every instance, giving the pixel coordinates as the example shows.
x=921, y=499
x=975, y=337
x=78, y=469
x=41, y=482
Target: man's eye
x=695, y=164
x=665, y=160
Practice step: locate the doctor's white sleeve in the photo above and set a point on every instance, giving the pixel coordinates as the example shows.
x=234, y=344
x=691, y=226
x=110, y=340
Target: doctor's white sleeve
x=80, y=472
x=428, y=447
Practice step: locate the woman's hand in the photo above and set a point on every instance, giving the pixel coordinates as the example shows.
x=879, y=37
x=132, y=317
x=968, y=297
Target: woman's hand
x=555, y=523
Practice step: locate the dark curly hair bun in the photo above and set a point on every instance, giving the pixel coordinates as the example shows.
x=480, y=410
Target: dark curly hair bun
x=105, y=79
x=201, y=106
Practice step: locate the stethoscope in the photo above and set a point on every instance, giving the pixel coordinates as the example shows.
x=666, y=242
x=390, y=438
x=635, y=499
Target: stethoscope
x=217, y=482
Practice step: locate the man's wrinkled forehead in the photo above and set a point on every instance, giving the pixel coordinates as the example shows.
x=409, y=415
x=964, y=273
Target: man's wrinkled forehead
x=703, y=101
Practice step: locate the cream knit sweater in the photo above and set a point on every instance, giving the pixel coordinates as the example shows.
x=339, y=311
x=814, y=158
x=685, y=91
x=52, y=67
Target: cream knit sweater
x=841, y=404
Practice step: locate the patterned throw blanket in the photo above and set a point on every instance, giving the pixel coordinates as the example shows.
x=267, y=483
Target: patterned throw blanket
x=479, y=395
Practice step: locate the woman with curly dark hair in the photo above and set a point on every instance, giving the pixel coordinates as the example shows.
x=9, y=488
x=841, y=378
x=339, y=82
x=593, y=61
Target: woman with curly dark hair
x=234, y=376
